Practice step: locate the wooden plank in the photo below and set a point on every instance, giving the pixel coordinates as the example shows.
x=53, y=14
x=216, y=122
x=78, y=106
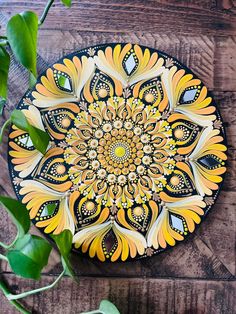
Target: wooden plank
x=139, y=296
x=225, y=63
x=149, y=16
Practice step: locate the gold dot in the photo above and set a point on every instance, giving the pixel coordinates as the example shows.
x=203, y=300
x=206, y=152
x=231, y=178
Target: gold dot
x=139, y=146
x=138, y=211
x=119, y=151
x=114, y=132
x=61, y=169
x=149, y=97
x=179, y=133
x=65, y=122
x=140, y=153
x=137, y=161
x=117, y=171
x=174, y=180
x=102, y=93
x=89, y=206
x=125, y=170
x=132, y=167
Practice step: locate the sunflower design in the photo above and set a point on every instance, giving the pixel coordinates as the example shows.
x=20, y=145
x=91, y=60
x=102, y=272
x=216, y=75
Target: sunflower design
x=137, y=152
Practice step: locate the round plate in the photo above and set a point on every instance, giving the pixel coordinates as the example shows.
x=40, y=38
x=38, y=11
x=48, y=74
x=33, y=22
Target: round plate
x=137, y=151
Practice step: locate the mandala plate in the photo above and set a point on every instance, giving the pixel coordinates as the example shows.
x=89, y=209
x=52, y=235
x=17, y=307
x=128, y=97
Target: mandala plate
x=137, y=151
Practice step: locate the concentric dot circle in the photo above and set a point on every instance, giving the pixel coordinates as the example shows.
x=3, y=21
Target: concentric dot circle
x=120, y=151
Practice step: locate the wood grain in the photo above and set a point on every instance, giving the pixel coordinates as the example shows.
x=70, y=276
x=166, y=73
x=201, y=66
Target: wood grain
x=137, y=296
x=129, y=16
x=197, y=276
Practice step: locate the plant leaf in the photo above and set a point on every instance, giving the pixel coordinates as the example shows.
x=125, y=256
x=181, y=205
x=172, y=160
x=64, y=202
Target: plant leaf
x=22, y=30
x=18, y=213
x=67, y=267
x=22, y=265
x=64, y=244
x=29, y=256
x=19, y=119
x=108, y=308
x=32, y=80
x=67, y=3
x=4, y=68
x=39, y=138
x=63, y=241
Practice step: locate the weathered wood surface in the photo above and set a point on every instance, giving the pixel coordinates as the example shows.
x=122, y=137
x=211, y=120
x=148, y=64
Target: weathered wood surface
x=197, y=276
x=136, y=296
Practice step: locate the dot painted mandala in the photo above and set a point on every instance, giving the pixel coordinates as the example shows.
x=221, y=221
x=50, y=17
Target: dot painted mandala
x=137, y=151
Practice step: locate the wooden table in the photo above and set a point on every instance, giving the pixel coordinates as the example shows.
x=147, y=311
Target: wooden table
x=197, y=276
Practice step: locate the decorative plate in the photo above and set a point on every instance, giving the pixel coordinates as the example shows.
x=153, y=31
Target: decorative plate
x=137, y=151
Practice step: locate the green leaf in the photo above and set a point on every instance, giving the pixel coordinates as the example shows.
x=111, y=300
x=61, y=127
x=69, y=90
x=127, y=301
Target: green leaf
x=18, y=213
x=40, y=139
x=32, y=80
x=63, y=241
x=19, y=119
x=106, y=307
x=67, y=3
x=4, y=68
x=22, y=265
x=29, y=256
x=67, y=267
x=64, y=244
x=22, y=30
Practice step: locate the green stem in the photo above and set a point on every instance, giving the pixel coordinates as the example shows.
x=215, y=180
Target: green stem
x=17, y=305
x=3, y=257
x=5, y=125
x=45, y=12
x=27, y=293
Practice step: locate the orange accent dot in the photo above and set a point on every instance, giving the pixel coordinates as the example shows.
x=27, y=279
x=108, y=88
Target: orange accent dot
x=65, y=122
x=174, y=180
x=138, y=211
x=102, y=93
x=149, y=97
x=61, y=169
x=179, y=133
